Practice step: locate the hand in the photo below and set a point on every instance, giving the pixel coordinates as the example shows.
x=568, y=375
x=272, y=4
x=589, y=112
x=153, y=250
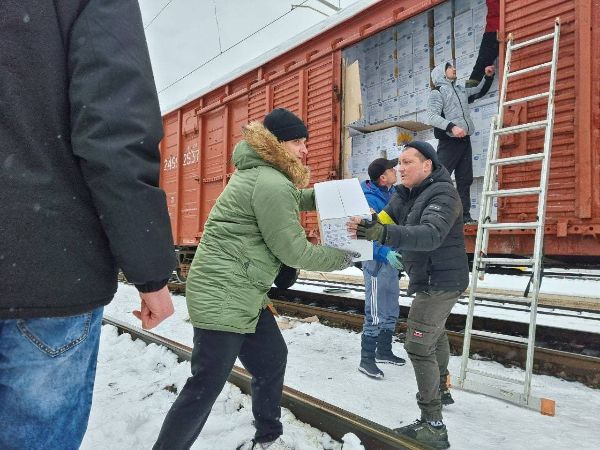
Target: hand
x=395, y=260
x=371, y=230
x=489, y=71
x=349, y=259
x=458, y=132
x=155, y=307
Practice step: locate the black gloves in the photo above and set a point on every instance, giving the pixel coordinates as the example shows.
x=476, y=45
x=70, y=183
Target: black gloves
x=372, y=230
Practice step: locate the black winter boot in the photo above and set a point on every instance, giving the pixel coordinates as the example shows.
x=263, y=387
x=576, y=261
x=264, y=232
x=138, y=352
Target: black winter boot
x=384, y=349
x=445, y=395
x=367, y=357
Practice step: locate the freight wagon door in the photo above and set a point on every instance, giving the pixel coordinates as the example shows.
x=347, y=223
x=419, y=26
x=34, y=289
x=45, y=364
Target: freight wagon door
x=322, y=115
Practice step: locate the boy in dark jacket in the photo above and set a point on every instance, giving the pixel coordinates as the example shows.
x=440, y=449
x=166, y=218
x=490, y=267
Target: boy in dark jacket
x=381, y=279
x=424, y=221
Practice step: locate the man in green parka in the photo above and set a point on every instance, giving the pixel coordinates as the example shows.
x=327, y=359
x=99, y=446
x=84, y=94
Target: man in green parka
x=252, y=229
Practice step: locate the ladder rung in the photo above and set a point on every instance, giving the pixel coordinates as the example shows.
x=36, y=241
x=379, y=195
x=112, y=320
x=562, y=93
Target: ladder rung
x=526, y=99
x=504, y=337
x=510, y=225
x=507, y=261
x=513, y=192
x=542, y=38
x=518, y=159
x=528, y=69
x=520, y=300
x=493, y=375
x=522, y=127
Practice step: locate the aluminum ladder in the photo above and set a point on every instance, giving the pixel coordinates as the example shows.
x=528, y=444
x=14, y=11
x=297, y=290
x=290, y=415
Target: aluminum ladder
x=492, y=384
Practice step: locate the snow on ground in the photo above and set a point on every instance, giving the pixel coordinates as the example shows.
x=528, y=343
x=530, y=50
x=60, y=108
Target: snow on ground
x=130, y=399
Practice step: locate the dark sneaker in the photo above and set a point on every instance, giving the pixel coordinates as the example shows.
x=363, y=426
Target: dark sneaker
x=469, y=221
x=422, y=431
x=277, y=444
x=446, y=397
x=390, y=358
x=370, y=369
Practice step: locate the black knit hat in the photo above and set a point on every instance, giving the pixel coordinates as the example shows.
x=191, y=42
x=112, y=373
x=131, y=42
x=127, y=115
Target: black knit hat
x=379, y=166
x=426, y=150
x=285, y=125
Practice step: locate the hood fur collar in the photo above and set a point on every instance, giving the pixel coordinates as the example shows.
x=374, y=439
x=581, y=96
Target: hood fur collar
x=267, y=147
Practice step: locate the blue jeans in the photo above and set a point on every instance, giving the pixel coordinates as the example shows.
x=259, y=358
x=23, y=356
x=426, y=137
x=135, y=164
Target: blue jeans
x=382, y=290
x=47, y=370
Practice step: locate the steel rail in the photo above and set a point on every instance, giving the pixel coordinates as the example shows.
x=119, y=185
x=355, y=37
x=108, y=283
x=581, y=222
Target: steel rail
x=570, y=366
x=326, y=417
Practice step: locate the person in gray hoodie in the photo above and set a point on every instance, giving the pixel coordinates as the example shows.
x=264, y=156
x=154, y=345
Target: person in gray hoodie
x=448, y=113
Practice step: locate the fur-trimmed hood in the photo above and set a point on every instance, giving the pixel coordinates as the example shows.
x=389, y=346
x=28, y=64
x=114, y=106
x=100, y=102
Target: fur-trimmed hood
x=261, y=147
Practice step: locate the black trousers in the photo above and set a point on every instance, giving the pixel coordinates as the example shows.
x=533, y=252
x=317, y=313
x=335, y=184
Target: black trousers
x=456, y=155
x=488, y=52
x=263, y=353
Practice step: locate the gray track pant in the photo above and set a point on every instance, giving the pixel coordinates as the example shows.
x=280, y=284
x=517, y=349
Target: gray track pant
x=427, y=346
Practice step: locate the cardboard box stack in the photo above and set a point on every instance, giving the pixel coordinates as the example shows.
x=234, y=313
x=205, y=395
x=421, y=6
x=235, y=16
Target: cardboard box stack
x=395, y=67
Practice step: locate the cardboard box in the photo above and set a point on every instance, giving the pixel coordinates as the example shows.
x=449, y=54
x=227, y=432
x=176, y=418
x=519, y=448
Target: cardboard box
x=464, y=64
x=464, y=44
x=389, y=89
x=375, y=113
x=407, y=104
x=422, y=80
x=390, y=110
x=387, y=70
x=479, y=16
x=461, y=6
x=406, y=84
x=405, y=65
x=404, y=46
x=421, y=102
x=421, y=59
x=463, y=23
x=337, y=201
x=442, y=13
x=442, y=53
x=387, y=51
x=419, y=22
x=442, y=32
x=403, y=30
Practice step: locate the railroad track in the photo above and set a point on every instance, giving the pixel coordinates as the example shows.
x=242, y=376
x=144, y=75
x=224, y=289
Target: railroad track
x=567, y=354
x=317, y=413
x=558, y=301
x=563, y=364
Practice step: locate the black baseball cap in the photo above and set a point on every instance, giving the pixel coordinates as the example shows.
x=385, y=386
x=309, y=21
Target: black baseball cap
x=379, y=166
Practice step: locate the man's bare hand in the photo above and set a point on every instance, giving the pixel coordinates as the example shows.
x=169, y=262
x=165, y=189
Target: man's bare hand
x=352, y=225
x=458, y=132
x=489, y=71
x=156, y=306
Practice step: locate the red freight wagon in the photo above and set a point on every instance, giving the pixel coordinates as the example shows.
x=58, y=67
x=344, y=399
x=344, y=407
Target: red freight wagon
x=308, y=79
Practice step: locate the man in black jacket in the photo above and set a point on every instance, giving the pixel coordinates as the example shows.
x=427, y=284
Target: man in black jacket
x=79, y=165
x=424, y=221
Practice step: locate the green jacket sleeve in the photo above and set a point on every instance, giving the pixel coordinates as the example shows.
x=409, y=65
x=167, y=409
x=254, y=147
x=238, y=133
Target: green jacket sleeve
x=276, y=207
x=307, y=200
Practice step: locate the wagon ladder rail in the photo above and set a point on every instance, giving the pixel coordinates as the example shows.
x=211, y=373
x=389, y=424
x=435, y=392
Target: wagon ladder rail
x=513, y=390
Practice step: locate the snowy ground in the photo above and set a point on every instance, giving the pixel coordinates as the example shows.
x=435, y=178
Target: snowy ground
x=132, y=392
